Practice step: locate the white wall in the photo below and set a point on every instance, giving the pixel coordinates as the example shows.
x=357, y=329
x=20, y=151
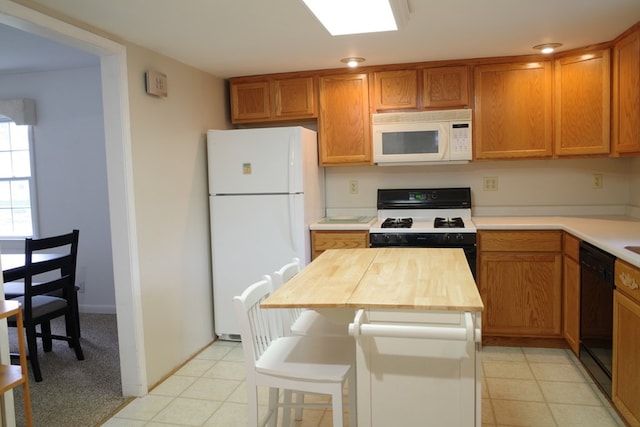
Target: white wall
x=524, y=186
x=71, y=171
x=171, y=200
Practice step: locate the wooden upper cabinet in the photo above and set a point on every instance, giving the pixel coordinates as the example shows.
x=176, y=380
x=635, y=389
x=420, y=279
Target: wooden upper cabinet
x=513, y=110
x=272, y=99
x=445, y=87
x=294, y=98
x=626, y=95
x=395, y=90
x=344, y=126
x=250, y=101
x=583, y=104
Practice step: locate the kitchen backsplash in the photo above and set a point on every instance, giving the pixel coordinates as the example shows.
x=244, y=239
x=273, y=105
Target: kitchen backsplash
x=525, y=187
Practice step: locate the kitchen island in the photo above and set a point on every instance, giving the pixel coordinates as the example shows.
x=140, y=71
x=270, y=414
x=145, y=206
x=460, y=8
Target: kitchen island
x=415, y=315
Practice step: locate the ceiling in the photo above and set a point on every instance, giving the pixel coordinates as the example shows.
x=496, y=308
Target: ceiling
x=245, y=37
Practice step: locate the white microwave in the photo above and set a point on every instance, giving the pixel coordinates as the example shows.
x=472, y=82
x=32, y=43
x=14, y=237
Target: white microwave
x=422, y=137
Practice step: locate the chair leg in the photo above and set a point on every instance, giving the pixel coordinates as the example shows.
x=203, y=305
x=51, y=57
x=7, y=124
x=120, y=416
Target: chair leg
x=45, y=328
x=32, y=345
x=75, y=317
x=299, y=401
x=286, y=409
x=273, y=406
x=252, y=404
x=75, y=341
x=336, y=406
x=351, y=395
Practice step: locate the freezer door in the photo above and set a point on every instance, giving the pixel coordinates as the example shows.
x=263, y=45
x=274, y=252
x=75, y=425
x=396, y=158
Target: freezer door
x=255, y=161
x=251, y=236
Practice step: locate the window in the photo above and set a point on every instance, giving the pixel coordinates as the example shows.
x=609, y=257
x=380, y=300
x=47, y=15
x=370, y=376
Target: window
x=16, y=180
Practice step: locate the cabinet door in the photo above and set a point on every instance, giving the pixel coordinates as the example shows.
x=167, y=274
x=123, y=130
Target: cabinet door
x=513, y=110
x=571, y=303
x=582, y=104
x=250, y=101
x=626, y=95
x=395, y=90
x=295, y=98
x=521, y=293
x=445, y=87
x=337, y=239
x=344, y=128
x=626, y=357
x=571, y=292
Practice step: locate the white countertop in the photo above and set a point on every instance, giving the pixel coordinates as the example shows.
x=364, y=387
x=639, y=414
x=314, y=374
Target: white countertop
x=609, y=233
x=343, y=226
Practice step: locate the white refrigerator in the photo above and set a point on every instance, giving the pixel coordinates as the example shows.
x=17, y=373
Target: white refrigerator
x=265, y=188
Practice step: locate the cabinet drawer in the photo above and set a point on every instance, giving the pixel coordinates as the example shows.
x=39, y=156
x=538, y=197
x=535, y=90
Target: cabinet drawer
x=520, y=241
x=571, y=246
x=628, y=279
x=337, y=239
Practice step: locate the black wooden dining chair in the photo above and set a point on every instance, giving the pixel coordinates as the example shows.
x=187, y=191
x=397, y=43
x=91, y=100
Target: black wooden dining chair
x=14, y=284
x=49, y=292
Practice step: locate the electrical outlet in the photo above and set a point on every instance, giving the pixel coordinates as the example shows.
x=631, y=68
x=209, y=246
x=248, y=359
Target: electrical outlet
x=596, y=183
x=490, y=183
x=353, y=186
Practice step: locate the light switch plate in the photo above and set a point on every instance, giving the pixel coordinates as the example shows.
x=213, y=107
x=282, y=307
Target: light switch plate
x=156, y=83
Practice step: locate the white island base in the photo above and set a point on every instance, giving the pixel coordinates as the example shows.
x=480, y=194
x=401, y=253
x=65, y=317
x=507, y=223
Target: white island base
x=418, y=368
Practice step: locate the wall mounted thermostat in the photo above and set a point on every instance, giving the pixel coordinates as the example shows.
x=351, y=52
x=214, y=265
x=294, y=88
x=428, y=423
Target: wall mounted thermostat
x=156, y=83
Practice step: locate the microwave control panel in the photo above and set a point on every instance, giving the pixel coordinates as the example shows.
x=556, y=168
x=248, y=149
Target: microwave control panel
x=460, y=140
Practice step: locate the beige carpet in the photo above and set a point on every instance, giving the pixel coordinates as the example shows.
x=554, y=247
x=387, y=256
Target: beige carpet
x=73, y=392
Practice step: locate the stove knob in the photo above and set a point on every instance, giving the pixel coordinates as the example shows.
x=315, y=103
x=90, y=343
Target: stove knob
x=459, y=236
x=447, y=237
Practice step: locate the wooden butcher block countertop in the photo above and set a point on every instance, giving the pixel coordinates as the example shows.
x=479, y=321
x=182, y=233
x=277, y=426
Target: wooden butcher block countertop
x=386, y=278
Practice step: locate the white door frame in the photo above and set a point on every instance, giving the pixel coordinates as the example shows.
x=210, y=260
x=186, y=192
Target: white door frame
x=115, y=98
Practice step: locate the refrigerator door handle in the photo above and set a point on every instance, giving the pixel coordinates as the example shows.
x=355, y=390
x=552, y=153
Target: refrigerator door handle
x=292, y=222
x=290, y=169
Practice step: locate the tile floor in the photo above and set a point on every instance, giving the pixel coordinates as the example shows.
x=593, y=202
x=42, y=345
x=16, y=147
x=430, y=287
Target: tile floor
x=521, y=387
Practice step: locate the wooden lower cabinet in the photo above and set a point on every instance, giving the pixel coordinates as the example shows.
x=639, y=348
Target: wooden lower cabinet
x=520, y=282
x=626, y=342
x=321, y=240
x=571, y=292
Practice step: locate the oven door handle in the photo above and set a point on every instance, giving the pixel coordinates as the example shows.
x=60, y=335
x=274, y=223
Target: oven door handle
x=467, y=332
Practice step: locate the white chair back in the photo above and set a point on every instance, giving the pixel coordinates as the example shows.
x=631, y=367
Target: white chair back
x=258, y=327
x=280, y=277
x=286, y=273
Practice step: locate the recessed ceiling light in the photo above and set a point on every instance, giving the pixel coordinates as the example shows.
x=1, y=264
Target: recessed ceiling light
x=342, y=17
x=547, y=47
x=352, y=61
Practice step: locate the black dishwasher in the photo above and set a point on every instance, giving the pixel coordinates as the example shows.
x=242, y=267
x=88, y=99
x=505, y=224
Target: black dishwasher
x=596, y=313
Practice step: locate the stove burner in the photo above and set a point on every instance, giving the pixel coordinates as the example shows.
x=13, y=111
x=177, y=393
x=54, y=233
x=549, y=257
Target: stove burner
x=456, y=222
x=397, y=223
